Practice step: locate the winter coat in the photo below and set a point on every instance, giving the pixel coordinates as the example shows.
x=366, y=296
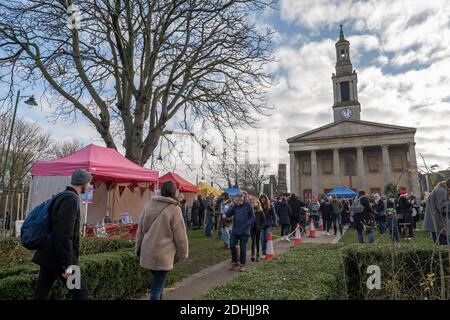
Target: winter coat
x=62, y=250
x=336, y=206
x=284, y=213
x=270, y=217
x=295, y=205
x=243, y=218
x=260, y=221
x=161, y=233
x=436, y=211
x=366, y=217
x=325, y=209
x=195, y=212
x=314, y=208
x=379, y=208
x=225, y=222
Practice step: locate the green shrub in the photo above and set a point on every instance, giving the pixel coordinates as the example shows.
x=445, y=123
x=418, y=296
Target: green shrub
x=12, y=253
x=112, y=275
x=306, y=272
x=407, y=271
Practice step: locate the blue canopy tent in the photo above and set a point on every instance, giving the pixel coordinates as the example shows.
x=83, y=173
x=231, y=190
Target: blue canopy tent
x=232, y=192
x=342, y=192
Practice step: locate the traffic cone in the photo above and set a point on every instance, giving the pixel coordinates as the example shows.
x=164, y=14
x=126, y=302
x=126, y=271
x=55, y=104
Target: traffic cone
x=298, y=236
x=320, y=224
x=269, y=252
x=312, y=231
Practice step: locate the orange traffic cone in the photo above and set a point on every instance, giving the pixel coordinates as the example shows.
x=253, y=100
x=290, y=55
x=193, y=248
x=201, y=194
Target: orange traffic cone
x=312, y=231
x=320, y=224
x=298, y=236
x=269, y=252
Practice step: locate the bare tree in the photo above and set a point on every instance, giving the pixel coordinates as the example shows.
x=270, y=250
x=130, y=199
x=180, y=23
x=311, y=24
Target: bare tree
x=255, y=175
x=65, y=148
x=30, y=143
x=133, y=65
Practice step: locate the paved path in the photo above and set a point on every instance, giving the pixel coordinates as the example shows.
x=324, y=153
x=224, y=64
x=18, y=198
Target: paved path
x=199, y=283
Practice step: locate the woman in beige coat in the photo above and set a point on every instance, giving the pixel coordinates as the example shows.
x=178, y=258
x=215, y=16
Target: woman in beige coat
x=161, y=233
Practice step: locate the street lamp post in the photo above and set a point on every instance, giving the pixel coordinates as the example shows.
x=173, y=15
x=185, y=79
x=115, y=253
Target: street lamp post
x=30, y=101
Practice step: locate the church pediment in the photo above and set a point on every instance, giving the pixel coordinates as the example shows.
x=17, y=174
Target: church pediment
x=349, y=128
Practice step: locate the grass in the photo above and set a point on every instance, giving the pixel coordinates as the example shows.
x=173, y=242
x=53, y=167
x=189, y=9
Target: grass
x=307, y=272
x=203, y=253
x=420, y=237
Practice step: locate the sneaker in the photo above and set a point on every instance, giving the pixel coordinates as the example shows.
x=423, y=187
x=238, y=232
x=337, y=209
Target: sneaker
x=258, y=259
x=253, y=259
x=241, y=269
x=233, y=266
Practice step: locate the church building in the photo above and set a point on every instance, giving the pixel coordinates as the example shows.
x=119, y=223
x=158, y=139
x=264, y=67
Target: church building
x=350, y=152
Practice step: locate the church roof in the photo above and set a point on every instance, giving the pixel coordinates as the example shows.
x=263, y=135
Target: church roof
x=349, y=128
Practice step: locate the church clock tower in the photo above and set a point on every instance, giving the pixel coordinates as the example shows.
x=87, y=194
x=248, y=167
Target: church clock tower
x=346, y=105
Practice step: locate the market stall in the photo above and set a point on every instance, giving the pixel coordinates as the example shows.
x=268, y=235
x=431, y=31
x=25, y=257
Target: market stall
x=188, y=189
x=120, y=188
x=342, y=192
x=205, y=189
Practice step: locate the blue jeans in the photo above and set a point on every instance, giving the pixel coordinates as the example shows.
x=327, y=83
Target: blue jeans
x=361, y=238
x=226, y=235
x=265, y=237
x=209, y=225
x=442, y=241
x=243, y=244
x=159, y=279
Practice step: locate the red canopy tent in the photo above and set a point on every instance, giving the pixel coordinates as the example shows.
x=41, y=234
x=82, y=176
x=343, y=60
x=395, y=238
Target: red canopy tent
x=115, y=178
x=181, y=184
x=105, y=164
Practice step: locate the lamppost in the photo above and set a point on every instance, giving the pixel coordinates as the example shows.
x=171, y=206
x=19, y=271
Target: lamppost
x=30, y=101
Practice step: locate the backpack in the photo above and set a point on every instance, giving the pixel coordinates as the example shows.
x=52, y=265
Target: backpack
x=356, y=207
x=35, y=231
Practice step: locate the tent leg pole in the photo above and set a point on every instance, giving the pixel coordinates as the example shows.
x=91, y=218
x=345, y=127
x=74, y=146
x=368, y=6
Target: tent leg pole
x=85, y=219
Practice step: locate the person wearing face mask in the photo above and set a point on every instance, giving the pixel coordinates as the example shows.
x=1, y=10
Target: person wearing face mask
x=62, y=250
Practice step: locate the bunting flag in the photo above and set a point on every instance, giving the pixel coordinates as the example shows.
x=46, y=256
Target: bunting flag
x=151, y=187
x=121, y=190
x=113, y=186
x=142, y=190
x=108, y=185
x=132, y=186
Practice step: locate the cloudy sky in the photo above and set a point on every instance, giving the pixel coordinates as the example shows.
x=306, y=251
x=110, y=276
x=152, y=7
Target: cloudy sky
x=400, y=49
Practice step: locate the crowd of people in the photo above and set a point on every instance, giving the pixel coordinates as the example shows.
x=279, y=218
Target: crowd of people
x=163, y=226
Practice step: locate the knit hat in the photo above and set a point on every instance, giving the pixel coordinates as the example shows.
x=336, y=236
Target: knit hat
x=80, y=177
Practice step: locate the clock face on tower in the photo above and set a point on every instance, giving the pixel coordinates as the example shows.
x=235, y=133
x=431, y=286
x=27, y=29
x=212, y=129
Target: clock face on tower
x=346, y=113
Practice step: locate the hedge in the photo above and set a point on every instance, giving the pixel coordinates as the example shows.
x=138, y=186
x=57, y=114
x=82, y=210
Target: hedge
x=12, y=253
x=112, y=275
x=407, y=271
x=307, y=272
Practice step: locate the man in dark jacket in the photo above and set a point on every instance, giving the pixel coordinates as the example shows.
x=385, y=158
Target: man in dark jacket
x=243, y=218
x=201, y=211
x=62, y=250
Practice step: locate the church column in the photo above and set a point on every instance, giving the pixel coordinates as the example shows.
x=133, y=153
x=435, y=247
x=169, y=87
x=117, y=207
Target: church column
x=336, y=168
x=361, y=170
x=414, y=173
x=386, y=164
x=294, y=174
x=292, y=170
x=314, y=183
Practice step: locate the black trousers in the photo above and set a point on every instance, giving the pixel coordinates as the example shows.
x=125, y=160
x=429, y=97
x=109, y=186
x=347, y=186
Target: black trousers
x=46, y=279
x=256, y=240
x=285, y=229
